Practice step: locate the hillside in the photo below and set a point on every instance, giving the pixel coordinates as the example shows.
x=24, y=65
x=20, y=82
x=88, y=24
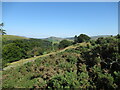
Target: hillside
x=58, y=39
x=12, y=37
x=23, y=61
x=54, y=39
x=15, y=48
x=51, y=39
x=96, y=37
x=92, y=37
x=83, y=66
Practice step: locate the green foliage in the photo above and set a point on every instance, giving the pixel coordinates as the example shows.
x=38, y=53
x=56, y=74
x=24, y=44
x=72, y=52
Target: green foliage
x=117, y=78
x=81, y=38
x=25, y=48
x=11, y=52
x=35, y=52
x=72, y=59
x=83, y=80
x=2, y=32
x=105, y=81
x=12, y=37
x=91, y=66
x=64, y=43
x=68, y=80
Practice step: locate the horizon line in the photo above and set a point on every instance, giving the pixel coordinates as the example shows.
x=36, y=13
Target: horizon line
x=61, y=37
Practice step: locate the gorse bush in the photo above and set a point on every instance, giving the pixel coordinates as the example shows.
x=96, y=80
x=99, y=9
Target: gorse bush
x=68, y=80
x=105, y=81
x=71, y=59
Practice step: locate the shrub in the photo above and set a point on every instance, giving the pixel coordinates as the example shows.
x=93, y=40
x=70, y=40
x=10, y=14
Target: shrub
x=105, y=81
x=83, y=38
x=68, y=80
x=64, y=43
x=71, y=59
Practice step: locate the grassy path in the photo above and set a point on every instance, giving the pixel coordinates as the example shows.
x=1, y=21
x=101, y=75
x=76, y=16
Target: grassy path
x=23, y=61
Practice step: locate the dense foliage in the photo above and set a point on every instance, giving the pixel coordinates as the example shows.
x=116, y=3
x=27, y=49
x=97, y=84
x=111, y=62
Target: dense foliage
x=81, y=38
x=2, y=32
x=14, y=50
x=94, y=65
x=64, y=43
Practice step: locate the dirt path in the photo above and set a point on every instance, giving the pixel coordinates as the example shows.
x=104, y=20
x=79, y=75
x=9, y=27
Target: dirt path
x=23, y=61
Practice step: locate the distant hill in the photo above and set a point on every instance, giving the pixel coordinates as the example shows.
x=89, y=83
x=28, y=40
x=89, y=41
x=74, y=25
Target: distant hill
x=96, y=37
x=70, y=38
x=12, y=37
x=51, y=39
x=58, y=39
x=54, y=39
x=92, y=37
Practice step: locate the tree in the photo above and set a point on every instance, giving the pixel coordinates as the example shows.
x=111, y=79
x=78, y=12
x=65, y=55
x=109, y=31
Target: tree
x=2, y=32
x=83, y=38
x=75, y=39
x=64, y=43
x=11, y=52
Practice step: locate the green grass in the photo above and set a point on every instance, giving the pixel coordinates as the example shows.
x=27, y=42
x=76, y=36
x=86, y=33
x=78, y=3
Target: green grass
x=12, y=37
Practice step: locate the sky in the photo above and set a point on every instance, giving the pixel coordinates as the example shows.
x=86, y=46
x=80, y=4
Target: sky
x=60, y=19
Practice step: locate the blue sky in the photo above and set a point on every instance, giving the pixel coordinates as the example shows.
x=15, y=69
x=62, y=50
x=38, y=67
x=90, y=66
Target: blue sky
x=60, y=19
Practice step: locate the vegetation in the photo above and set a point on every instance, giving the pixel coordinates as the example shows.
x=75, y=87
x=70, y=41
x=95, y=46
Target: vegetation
x=64, y=43
x=81, y=38
x=2, y=32
x=12, y=37
x=94, y=65
x=14, y=50
x=54, y=39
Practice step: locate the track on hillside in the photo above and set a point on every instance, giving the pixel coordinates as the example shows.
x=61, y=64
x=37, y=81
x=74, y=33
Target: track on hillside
x=23, y=61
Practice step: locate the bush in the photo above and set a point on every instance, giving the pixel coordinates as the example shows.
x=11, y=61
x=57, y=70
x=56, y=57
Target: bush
x=71, y=59
x=68, y=80
x=19, y=49
x=105, y=81
x=83, y=38
x=64, y=43
x=12, y=52
x=117, y=78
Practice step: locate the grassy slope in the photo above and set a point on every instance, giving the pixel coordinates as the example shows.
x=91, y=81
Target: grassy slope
x=12, y=37
x=57, y=39
x=38, y=74
x=23, y=61
x=54, y=39
x=53, y=63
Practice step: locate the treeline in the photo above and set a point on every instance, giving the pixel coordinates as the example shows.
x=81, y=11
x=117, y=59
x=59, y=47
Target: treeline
x=14, y=50
x=91, y=65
